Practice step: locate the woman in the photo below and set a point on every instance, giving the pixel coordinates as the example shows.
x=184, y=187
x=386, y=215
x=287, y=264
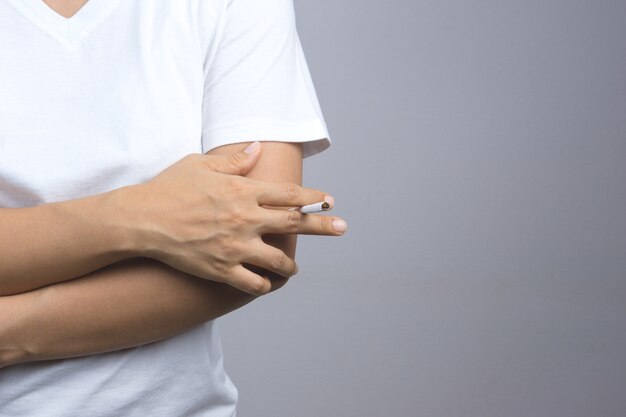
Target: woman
x=120, y=240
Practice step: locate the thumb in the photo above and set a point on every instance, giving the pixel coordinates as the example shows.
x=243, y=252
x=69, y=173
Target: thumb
x=236, y=163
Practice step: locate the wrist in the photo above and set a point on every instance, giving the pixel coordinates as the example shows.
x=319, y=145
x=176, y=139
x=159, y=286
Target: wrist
x=10, y=355
x=125, y=222
x=13, y=328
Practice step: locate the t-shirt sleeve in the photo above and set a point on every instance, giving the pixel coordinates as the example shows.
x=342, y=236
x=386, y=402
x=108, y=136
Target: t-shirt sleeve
x=257, y=83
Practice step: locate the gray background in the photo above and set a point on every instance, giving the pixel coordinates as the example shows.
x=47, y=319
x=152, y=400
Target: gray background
x=479, y=156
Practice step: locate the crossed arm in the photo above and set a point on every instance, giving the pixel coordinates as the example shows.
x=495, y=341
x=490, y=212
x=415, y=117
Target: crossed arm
x=133, y=302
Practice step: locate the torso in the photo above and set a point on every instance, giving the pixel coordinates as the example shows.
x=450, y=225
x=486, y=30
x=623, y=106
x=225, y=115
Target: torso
x=107, y=98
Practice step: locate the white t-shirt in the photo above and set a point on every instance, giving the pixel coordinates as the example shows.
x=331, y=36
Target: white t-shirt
x=111, y=97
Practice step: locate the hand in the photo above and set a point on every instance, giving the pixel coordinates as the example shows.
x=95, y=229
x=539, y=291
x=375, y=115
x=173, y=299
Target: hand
x=202, y=217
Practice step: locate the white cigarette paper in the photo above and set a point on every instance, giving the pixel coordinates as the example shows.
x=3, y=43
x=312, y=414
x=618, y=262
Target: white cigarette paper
x=313, y=208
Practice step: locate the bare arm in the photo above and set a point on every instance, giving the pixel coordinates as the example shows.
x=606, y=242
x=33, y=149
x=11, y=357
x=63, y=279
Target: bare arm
x=280, y=162
x=192, y=216
x=132, y=302
x=55, y=242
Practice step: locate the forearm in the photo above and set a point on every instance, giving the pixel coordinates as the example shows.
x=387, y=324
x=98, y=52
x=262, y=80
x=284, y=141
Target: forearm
x=131, y=303
x=127, y=304
x=54, y=242
x=279, y=162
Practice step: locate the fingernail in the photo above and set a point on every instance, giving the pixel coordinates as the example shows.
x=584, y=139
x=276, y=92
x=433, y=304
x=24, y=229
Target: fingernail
x=252, y=148
x=340, y=225
x=330, y=200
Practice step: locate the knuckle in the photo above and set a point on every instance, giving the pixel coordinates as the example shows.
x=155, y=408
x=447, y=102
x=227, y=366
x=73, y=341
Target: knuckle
x=231, y=251
x=326, y=225
x=292, y=268
x=237, y=187
x=254, y=219
x=236, y=161
x=218, y=267
x=212, y=164
x=278, y=262
x=291, y=191
x=221, y=271
x=229, y=248
x=257, y=287
x=237, y=216
x=237, y=221
x=293, y=220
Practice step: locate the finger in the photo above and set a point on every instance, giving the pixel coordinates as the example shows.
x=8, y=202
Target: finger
x=271, y=259
x=276, y=280
x=294, y=222
x=237, y=163
x=287, y=194
x=247, y=281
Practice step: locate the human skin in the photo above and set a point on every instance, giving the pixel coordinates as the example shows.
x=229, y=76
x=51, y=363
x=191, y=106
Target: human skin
x=66, y=8
x=135, y=301
x=195, y=215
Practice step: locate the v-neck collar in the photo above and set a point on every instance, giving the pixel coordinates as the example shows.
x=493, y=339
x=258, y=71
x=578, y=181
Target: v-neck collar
x=68, y=31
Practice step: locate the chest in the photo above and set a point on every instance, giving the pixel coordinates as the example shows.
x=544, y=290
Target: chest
x=116, y=110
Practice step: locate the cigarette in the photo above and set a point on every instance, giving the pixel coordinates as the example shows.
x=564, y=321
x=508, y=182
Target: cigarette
x=313, y=208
